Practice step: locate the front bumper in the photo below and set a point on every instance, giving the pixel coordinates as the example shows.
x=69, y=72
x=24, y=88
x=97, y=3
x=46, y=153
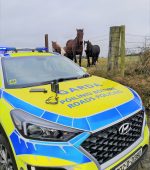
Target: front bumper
x=61, y=156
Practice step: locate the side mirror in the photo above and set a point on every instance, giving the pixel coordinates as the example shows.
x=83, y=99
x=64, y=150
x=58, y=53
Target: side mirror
x=84, y=69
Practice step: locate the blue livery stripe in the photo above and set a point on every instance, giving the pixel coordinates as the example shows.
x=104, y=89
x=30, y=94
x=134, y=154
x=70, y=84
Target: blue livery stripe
x=81, y=123
x=128, y=108
x=1, y=93
x=50, y=116
x=65, y=120
x=77, y=141
x=89, y=123
x=137, y=98
x=66, y=152
x=104, y=118
x=19, y=104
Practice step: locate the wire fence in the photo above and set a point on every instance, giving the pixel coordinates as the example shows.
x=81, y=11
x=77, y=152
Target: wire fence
x=135, y=43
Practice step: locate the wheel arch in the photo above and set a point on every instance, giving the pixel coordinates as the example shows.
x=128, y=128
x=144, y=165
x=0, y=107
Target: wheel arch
x=3, y=133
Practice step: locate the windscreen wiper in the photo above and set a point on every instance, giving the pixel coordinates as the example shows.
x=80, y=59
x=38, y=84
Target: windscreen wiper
x=85, y=75
x=73, y=78
x=38, y=90
x=57, y=80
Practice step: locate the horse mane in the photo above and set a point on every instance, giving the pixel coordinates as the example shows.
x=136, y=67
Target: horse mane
x=90, y=43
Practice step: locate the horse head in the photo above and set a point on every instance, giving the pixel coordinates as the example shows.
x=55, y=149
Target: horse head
x=88, y=45
x=80, y=33
x=86, y=42
x=56, y=47
x=85, y=45
x=54, y=44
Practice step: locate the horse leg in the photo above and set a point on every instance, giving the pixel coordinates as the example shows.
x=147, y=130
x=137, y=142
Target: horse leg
x=88, y=61
x=71, y=57
x=97, y=59
x=74, y=57
x=93, y=60
x=80, y=57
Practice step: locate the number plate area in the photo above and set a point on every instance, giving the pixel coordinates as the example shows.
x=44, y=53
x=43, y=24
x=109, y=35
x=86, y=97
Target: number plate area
x=131, y=160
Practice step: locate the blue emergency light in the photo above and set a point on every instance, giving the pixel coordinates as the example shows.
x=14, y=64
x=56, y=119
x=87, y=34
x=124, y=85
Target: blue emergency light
x=41, y=49
x=25, y=49
x=5, y=49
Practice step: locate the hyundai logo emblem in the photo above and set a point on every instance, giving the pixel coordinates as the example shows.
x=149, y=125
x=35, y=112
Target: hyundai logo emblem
x=125, y=128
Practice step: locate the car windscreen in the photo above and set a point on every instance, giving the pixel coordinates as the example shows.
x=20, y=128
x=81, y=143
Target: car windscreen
x=37, y=70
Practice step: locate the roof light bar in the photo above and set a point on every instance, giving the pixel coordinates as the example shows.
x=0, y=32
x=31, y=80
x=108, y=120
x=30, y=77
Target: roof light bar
x=5, y=49
x=41, y=49
x=25, y=49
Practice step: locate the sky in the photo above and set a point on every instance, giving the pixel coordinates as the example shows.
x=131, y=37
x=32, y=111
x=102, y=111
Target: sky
x=23, y=23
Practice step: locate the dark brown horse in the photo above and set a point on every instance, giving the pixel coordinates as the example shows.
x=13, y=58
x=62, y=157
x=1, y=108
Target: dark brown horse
x=75, y=47
x=56, y=47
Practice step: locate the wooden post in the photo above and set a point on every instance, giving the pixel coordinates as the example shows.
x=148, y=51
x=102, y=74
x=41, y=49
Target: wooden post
x=109, y=64
x=46, y=42
x=114, y=43
x=122, y=50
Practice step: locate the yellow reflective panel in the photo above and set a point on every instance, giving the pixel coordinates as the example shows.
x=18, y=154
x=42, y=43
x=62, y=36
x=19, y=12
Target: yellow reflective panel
x=44, y=161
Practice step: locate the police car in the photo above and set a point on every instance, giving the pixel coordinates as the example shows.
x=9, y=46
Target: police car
x=55, y=116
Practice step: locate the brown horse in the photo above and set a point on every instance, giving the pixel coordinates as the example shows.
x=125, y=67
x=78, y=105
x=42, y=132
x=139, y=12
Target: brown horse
x=75, y=47
x=56, y=47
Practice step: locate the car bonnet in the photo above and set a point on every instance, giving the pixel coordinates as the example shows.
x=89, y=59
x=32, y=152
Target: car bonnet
x=87, y=104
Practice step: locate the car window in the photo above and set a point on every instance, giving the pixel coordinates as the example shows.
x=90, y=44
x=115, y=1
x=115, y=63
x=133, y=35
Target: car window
x=28, y=71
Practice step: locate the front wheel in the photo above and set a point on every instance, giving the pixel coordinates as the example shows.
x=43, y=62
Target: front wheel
x=6, y=157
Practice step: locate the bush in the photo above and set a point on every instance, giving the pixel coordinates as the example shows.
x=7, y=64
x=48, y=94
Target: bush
x=144, y=64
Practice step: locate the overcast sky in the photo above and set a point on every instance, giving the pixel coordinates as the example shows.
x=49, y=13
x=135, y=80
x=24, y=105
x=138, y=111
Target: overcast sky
x=23, y=23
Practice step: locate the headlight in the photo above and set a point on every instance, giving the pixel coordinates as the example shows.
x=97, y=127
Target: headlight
x=35, y=128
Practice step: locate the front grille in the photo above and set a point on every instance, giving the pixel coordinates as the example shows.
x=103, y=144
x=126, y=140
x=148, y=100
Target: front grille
x=108, y=143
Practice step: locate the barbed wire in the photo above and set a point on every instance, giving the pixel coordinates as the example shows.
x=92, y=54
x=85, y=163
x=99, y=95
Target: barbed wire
x=136, y=35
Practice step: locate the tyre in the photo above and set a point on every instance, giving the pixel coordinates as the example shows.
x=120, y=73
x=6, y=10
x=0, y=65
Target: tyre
x=7, y=161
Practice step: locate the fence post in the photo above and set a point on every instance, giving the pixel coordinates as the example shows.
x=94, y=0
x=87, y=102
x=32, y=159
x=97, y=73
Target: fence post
x=46, y=42
x=113, y=55
x=116, y=45
x=109, y=63
x=122, y=50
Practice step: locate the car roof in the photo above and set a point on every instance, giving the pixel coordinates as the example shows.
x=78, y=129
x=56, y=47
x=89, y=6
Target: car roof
x=24, y=52
x=28, y=54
